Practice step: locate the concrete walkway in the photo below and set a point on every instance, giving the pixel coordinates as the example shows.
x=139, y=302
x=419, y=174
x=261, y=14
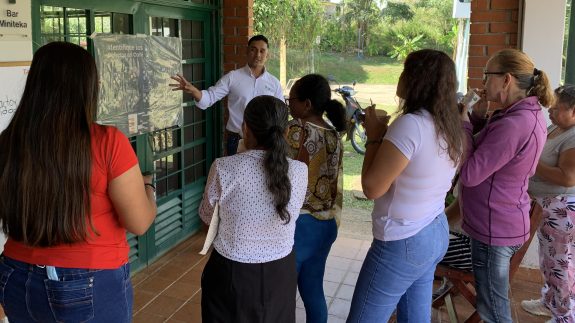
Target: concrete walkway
x=169, y=290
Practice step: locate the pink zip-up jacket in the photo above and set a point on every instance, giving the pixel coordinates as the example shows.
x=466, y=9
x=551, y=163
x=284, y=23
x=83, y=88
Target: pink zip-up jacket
x=500, y=159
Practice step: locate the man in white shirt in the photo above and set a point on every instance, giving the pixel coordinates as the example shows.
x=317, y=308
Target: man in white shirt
x=240, y=85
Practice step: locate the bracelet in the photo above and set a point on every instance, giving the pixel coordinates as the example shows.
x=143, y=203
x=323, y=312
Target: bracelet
x=150, y=185
x=379, y=141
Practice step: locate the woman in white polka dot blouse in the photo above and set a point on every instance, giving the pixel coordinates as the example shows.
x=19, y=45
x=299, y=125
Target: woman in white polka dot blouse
x=251, y=274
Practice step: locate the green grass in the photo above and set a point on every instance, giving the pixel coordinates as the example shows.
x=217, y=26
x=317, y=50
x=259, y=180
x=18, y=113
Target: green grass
x=352, y=162
x=344, y=68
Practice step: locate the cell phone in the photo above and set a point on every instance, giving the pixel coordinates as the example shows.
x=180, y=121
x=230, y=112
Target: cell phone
x=470, y=99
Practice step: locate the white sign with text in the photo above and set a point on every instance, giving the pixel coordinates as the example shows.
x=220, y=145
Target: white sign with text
x=15, y=31
x=12, y=81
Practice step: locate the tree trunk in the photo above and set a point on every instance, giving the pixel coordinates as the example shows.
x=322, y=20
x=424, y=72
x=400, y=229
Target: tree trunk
x=283, y=62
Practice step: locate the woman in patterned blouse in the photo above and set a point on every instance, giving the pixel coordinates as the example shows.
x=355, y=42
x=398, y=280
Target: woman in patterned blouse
x=316, y=142
x=553, y=187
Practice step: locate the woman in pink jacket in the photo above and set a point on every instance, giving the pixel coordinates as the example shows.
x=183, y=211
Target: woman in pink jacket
x=502, y=153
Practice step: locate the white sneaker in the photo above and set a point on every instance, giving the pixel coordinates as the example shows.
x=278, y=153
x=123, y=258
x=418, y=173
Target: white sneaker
x=536, y=307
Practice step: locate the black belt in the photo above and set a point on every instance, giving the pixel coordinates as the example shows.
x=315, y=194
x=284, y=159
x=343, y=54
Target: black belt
x=232, y=134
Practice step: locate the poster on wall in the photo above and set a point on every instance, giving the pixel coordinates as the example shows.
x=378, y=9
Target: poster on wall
x=12, y=81
x=134, y=73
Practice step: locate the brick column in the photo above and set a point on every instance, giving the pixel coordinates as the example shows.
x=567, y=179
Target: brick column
x=494, y=26
x=237, y=29
x=238, y=22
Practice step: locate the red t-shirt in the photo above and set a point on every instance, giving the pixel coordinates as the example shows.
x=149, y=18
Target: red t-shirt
x=112, y=155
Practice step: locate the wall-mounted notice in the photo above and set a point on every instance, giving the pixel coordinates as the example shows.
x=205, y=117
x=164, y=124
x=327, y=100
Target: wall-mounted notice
x=134, y=76
x=12, y=81
x=15, y=31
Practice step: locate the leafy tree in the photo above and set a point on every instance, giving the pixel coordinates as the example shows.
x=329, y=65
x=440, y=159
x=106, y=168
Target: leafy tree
x=435, y=23
x=407, y=46
x=363, y=13
x=296, y=22
x=269, y=18
x=396, y=11
x=357, y=24
x=299, y=21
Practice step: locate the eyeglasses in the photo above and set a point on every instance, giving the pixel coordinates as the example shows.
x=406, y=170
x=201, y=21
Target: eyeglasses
x=287, y=99
x=486, y=75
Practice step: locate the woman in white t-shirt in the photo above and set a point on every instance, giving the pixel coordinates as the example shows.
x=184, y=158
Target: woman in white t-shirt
x=251, y=274
x=408, y=170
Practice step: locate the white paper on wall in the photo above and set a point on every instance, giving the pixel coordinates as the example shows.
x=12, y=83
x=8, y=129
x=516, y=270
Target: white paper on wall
x=12, y=81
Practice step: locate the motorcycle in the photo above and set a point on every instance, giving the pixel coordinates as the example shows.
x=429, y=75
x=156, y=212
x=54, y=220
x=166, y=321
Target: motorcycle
x=354, y=113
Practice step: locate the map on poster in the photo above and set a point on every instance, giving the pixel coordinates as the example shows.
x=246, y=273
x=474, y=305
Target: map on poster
x=12, y=81
x=134, y=73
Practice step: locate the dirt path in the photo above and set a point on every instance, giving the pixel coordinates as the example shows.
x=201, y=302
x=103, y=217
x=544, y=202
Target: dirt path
x=356, y=224
x=380, y=94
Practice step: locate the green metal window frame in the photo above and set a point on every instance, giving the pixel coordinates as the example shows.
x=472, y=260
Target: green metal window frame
x=570, y=55
x=184, y=200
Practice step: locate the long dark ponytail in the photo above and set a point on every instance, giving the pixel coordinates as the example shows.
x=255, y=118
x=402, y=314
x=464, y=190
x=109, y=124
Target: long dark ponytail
x=315, y=88
x=267, y=117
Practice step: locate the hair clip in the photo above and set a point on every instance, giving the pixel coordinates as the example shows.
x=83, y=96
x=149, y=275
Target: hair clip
x=536, y=72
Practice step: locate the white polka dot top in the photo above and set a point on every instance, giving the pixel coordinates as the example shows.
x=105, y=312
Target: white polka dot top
x=250, y=229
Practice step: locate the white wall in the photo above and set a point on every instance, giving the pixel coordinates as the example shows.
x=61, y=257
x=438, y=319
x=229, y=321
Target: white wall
x=543, y=31
x=542, y=39
x=15, y=49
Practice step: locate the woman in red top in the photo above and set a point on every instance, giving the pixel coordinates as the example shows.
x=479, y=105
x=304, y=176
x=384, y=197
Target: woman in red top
x=70, y=190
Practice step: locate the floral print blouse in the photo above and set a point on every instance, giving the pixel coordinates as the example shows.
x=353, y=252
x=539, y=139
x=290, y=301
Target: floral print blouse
x=322, y=151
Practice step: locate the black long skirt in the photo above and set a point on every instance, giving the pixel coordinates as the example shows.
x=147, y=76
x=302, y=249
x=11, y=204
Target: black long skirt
x=252, y=293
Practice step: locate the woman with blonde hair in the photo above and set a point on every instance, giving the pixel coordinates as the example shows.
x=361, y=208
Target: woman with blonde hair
x=501, y=155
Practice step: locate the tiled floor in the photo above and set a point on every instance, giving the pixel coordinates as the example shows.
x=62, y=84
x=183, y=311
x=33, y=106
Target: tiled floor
x=169, y=290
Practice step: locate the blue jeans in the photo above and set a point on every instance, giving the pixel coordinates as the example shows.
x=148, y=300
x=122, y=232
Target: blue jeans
x=80, y=295
x=313, y=240
x=399, y=274
x=491, y=271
